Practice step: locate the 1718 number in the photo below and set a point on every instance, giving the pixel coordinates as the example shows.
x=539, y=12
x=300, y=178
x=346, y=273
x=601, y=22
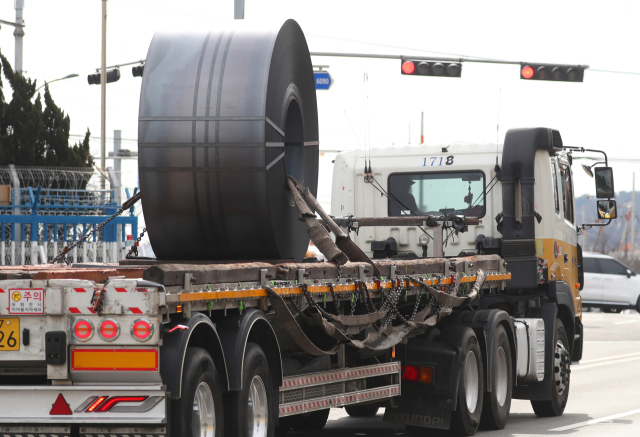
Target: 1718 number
x=437, y=161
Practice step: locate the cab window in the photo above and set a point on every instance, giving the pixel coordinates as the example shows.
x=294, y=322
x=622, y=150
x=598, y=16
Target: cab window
x=456, y=192
x=554, y=182
x=567, y=192
x=612, y=267
x=591, y=265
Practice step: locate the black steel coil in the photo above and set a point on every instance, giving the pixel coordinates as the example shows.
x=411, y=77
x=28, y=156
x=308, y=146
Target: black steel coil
x=224, y=117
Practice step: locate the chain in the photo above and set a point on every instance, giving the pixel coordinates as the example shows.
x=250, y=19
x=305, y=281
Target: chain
x=134, y=248
x=435, y=306
x=354, y=302
x=336, y=304
x=294, y=302
x=312, y=302
x=339, y=270
x=63, y=255
x=415, y=308
x=367, y=297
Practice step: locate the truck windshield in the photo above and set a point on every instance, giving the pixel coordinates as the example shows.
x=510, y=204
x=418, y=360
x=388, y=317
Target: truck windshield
x=458, y=192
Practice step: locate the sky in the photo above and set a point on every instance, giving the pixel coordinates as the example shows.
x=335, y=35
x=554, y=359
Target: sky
x=64, y=36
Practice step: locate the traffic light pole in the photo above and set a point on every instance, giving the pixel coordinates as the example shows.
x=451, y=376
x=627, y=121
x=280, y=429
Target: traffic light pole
x=430, y=58
x=103, y=91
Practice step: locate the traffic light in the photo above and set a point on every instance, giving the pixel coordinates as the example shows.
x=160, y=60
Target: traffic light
x=112, y=76
x=137, y=70
x=561, y=73
x=419, y=67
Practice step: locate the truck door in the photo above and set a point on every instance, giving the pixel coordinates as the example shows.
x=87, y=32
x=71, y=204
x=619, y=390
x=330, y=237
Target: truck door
x=568, y=255
x=592, y=291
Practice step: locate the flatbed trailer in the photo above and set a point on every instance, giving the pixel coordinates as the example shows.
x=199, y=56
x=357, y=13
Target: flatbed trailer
x=74, y=342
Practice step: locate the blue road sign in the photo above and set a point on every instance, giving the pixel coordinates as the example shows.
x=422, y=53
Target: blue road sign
x=323, y=80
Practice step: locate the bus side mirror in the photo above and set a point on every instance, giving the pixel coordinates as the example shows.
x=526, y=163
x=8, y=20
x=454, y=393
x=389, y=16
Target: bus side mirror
x=604, y=182
x=607, y=209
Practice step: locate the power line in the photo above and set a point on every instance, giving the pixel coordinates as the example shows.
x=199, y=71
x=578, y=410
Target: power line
x=615, y=72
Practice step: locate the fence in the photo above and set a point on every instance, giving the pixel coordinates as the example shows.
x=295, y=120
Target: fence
x=36, y=239
x=53, y=201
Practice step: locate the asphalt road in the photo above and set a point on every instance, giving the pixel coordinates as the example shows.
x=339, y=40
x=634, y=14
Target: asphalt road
x=604, y=398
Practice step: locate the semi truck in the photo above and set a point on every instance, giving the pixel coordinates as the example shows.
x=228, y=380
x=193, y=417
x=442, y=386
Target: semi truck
x=230, y=332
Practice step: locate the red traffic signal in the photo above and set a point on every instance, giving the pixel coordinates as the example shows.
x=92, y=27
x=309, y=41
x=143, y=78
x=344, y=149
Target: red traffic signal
x=553, y=72
x=419, y=67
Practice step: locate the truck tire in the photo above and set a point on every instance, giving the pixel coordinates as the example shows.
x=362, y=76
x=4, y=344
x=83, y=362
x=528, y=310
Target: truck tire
x=561, y=376
x=251, y=411
x=199, y=410
x=466, y=419
x=362, y=410
x=637, y=308
x=314, y=421
x=497, y=402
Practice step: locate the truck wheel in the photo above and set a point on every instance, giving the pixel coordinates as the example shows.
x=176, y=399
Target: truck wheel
x=361, y=410
x=198, y=412
x=561, y=376
x=251, y=410
x=314, y=421
x=466, y=418
x=497, y=403
x=638, y=305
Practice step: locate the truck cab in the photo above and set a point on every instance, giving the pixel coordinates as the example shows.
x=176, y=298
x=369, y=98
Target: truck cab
x=456, y=179
x=466, y=179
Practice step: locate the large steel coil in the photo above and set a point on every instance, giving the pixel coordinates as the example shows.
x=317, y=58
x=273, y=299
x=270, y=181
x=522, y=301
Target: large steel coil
x=224, y=117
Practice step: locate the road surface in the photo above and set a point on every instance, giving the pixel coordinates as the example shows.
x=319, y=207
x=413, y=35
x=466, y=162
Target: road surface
x=604, y=399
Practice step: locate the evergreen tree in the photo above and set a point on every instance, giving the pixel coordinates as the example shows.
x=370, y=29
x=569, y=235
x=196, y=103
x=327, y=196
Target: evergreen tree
x=31, y=135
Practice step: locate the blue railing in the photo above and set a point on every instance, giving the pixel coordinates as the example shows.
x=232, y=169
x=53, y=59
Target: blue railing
x=52, y=228
x=62, y=201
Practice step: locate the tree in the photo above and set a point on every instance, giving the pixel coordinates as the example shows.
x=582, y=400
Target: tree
x=31, y=135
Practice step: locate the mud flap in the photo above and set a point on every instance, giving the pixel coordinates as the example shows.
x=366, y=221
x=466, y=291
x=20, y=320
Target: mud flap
x=415, y=411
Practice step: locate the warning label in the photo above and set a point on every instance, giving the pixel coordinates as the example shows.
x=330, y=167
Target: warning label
x=26, y=301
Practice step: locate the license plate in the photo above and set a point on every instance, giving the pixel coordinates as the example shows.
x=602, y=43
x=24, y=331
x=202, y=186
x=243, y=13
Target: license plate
x=9, y=334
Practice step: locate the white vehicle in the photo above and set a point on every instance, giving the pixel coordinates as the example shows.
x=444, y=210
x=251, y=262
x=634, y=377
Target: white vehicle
x=609, y=284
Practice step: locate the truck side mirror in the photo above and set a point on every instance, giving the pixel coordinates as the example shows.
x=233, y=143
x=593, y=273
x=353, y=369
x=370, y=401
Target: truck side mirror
x=607, y=209
x=604, y=182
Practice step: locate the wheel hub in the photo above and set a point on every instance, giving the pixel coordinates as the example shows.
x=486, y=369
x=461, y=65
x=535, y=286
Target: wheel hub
x=257, y=410
x=203, y=418
x=502, y=377
x=471, y=381
x=561, y=368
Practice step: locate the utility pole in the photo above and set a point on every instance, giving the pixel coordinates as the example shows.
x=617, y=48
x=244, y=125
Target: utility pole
x=18, y=33
x=238, y=9
x=632, y=238
x=103, y=100
x=623, y=239
x=584, y=241
x=422, y=127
